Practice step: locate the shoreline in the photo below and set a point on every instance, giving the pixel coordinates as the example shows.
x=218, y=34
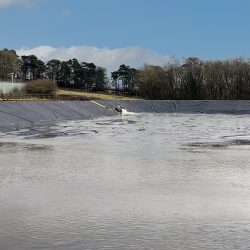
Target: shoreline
x=18, y=115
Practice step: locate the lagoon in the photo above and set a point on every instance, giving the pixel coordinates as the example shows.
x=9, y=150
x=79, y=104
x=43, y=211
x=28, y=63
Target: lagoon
x=142, y=181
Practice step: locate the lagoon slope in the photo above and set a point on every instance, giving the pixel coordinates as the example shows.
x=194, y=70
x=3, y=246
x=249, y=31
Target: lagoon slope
x=16, y=115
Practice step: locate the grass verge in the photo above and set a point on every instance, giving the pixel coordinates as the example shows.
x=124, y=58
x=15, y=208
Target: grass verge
x=74, y=94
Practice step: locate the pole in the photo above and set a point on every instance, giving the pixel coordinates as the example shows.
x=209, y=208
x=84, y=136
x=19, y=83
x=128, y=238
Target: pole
x=12, y=82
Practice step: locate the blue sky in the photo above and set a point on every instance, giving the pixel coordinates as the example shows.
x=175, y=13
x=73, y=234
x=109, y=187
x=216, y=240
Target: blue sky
x=135, y=31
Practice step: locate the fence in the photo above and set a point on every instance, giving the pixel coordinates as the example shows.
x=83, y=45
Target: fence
x=26, y=97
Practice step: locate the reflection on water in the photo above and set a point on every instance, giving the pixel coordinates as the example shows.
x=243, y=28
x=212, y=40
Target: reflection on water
x=222, y=144
x=165, y=181
x=13, y=146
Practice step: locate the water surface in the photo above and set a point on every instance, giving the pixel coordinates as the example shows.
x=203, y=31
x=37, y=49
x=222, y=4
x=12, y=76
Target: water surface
x=145, y=181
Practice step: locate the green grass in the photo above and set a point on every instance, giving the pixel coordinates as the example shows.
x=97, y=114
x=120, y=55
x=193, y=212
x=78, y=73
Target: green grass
x=93, y=95
x=68, y=94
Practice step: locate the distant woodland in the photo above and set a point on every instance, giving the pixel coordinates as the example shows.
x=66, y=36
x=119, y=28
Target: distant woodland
x=191, y=78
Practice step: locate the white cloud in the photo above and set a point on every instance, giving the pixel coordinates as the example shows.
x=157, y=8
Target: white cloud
x=5, y=3
x=104, y=57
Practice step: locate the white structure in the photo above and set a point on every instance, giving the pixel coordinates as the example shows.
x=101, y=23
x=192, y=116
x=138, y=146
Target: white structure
x=8, y=87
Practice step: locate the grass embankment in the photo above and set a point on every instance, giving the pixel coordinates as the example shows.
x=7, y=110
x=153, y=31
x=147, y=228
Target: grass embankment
x=67, y=95
x=78, y=94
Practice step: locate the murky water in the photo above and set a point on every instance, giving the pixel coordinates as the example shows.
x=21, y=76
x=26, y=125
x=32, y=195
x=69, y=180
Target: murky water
x=166, y=181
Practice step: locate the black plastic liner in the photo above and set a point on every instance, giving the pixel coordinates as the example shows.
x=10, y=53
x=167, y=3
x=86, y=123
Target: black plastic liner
x=165, y=106
x=17, y=115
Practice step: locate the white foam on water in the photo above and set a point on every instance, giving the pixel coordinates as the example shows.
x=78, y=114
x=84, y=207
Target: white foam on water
x=125, y=112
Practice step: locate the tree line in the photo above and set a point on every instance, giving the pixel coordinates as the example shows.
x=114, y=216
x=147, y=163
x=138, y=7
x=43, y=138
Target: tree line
x=67, y=74
x=191, y=78
x=196, y=79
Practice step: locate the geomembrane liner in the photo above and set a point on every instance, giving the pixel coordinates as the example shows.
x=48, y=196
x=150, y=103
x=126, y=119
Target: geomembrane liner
x=16, y=115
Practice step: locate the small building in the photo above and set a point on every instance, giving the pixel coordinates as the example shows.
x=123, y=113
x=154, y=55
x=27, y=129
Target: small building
x=9, y=87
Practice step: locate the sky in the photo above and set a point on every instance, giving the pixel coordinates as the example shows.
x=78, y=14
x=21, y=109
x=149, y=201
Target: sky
x=133, y=32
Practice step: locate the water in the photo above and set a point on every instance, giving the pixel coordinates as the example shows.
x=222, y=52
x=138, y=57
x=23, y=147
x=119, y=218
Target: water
x=165, y=181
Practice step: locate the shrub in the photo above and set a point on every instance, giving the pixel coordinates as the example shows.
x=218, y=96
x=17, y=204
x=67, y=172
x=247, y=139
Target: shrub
x=41, y=87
